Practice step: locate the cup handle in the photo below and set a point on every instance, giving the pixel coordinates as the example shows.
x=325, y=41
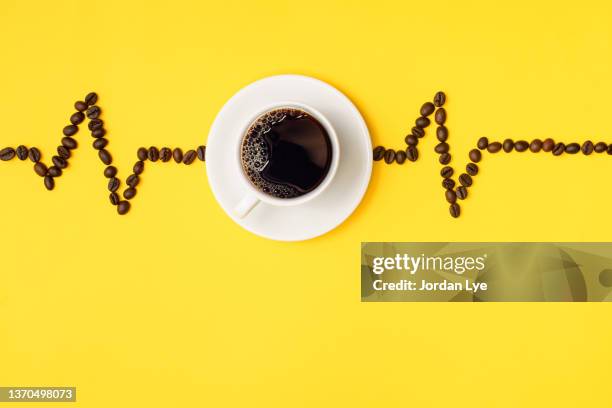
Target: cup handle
x=245, y=206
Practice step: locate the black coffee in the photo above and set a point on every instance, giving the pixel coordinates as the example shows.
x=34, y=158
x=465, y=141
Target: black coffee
x=286, y=153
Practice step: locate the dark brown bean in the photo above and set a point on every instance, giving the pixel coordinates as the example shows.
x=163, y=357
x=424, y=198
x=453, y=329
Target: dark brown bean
x=389, y=156
x=191, y=155
x=133, y=180
x=80, y=106
x=54, y=171
x=177, y=154
x=558, y=149
x=93, y=112
x=439, y=99
x=521, y=146
x=483, y=142
x=508, y=145
x=7, y=153
x=110, y=172
x=535, y=145
x=600, y=147
x=411, y=140
x=129, y=193
x=442, y=148
x=100, y=143
x=95, y=124
x=455, y=210
x=34, y=155
x=142, y=154
x=462, y=193
x=445, y=158
x=448, y=183
x=494, y=147
x=113, y=184
x=427, y=109
x=153, y=154
x=165, y=154
x=138, y=167
x=98, y=132
x=440, y=116
x=114, y=198
x=442, y=133
x=123, y=207
x=412, y=153
x=609, y=149
x=447, y=172
x=201, y=150
x=451, y=196
x=572, y=148
x=49, y=183
x=377, y=153
x=548, y=145
x=63, y=152
x=40, y=169
x=59, y=162
x=105, y=156
x=471, y=169
x=418, y=132
x=77, y=118
x=465, y=180
x=587, y=148
x=400, y=156
x=21, y=152
x=70, y=130
x=422, y=122
x=475, y=155
x=91, y=98
x=69, y=142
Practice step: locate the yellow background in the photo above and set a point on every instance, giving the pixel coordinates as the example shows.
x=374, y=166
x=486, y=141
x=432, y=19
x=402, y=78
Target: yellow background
x=175, y=305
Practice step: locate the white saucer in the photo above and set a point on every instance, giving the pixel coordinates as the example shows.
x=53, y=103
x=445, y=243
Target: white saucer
x=326, y=211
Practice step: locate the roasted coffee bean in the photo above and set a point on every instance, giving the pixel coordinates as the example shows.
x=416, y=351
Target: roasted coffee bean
x=34, y=154
x=40, y=169
x=153, y=154
x=427, y=109
x=418, y=132
x=548, y=145
x=54, y=171
x=465, y=180
x=114, y=198
x=448, y=183
x=558, y=149
x=411, y=140
x=190, y=156
x=165, y=154
x=138, y=167
x=129, y=193
x=535, y=145
x=444, y=158
x=77, y=118
x=521, y=146
x=447, y=172
x=471, y=169
x=105, y=156
x=95, y=124
x=508, y=145
x=142, y=154
x=600, y=147
x=63, y=152
x=455, y=210
x=462, y=193
x=110, y=172
x=442, y=133
x=113, y=184
x=49, y=183
x=609, y=149
x=494, y=147
x=587, y=147
x=483, y=142
x=123, y=207
x=100, y=143
x=475, y=155
x=70, y=130
x=201, y=150
x=91, y=98
x=133, y=180
x=389, y=156
x=572, y=148
x=451, y=196
x=442, y=148
x=69, y=142
x=422, y=122
x=21, y=152
x=440, y=116
x=93, y=112
x=59, y=162
x=98, y=132
x=378, y=153
x=439, y=99
x=412, y=153
x=177, y=154
x=80, y=106
x=7, y=153
x=400, y=156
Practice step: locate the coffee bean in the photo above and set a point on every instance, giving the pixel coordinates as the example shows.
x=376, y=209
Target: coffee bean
x=462, y=192
x=138, y=167
x=440, y=116
x=572, y=148
x=411, y=140
x=451, y=196
x=475, y=155
x=153, y=154
x=378, y=153
x=442, y=148
x=105, y=156
x=69, y=142
x=508, y=145
x=113, y=184
x=418, y=132
x=177, y=154
x=100, y=143
x=59, y=162
x=21, y=152
x=49, y=183
x=609, y=149
x=63, y=152
x=389, y=156
x=110, y=172
x=483, y=142
x=142, y=154
x=165, y=154
x=80, y=106
x=601, y=147
x=34, y=154
x=77, y=118
x=521, y=146
x=93, y=112
x=447, y=172
x=494, y=147
x=98, y=132
x=201, y=150
x=587, y=148
x=412, y=153
x=7, y=153
x=445, y=158
x=455, y=210
x=471, y=169
x=548, y=145
x=427, y=109
x=123, y=207
x=558, y=149
x=400, y=156
x=448, y=183
x=465, y=180
x=91, y=98
x=442, y=133
x=54, y=171
x=422, y=122
x=70, y=130
x=439, y=99
x=114, y=198
x=95, y=124
x=40, y=169
x=133, y=180
x=129, y=193
x=535, y=145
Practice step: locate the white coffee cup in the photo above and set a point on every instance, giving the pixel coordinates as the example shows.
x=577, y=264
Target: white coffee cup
x=252, y=196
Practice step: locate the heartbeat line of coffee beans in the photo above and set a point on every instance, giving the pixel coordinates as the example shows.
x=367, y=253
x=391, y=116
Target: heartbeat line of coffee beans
x=452, y=192
x=87, y=109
